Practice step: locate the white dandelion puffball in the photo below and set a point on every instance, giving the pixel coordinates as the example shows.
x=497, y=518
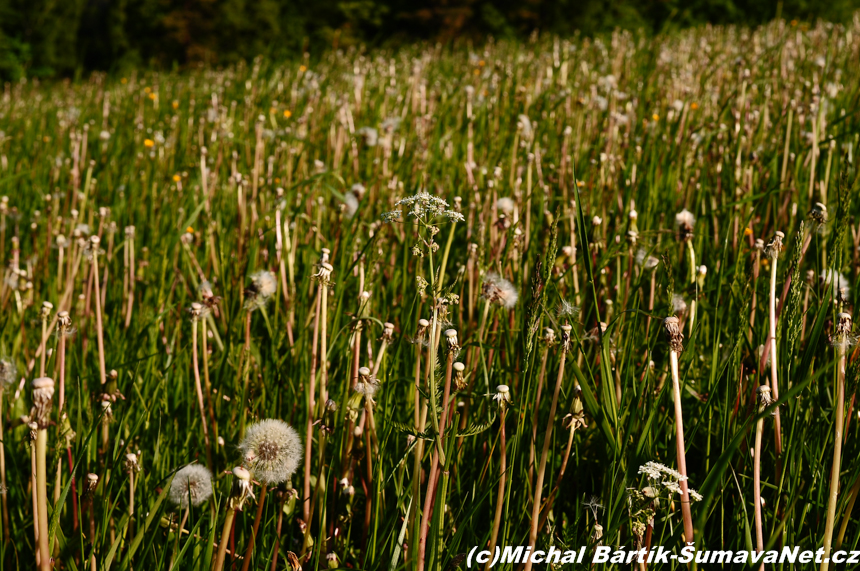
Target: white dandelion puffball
x=8, y=373
x=272, y=450
x=505, y=205
x=350, y=205
x=685, y=220
x=496, y=289
x=264, y=283
x=191, y=485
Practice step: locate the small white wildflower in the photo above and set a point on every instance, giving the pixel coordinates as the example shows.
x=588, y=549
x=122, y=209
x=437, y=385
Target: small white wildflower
x=656, y=471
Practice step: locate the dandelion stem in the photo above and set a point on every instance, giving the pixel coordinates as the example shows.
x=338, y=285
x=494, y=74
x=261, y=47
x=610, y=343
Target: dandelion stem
x=837, y=439
x=500, y=495
x=759, y=534
x=541, y=472
x=250, y=549
x=6, y=531
x=99, y=331
x=774, y=363
x=682, y=459
x=199, y=388
x=306, y=503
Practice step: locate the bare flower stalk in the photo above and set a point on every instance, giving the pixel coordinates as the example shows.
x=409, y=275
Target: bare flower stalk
x=43, y=393
x=197, y=313
x=773, y=249
x=47, y=306
x=676, y=346
x=240, y=492
x=306, y=502
x=503, y=396
x=541, y=472
x=549, y=339
x=6, y=534
x=764, y=400
x=438, y=459
x=94, y=249
x=842, y=340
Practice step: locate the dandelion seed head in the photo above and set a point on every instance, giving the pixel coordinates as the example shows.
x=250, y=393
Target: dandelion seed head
x=685, y=221
x=566, y=309
x=505, y=205
x=838, y=282
x=498, y=290
x=350, y=205
x=645, y=261
x=271, y=450
x=679, y=305
x=191, y=485
x=8, y=373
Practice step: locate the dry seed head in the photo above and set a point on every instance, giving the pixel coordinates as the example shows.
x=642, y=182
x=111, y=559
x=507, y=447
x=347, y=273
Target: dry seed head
x=272, y=450
x=43, y=394
x=503, y=396
x=91, y=484
x=843, y=337
x=459, y=376
x=47, y=306
x=323, y=275
x=451, y=337
x=191, y=485
x=774, y=247
x=387, y=332
x=673, y=330
x=241, y=489
x=131, y=463
x=819, y=213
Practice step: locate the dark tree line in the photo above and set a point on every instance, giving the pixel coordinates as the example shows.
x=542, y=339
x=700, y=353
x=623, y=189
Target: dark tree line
x=50, y=38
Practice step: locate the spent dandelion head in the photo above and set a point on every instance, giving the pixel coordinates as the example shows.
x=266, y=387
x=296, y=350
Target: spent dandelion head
x=843, y=337
x=502, y=396
x=367, y=384
x=323, y=275
x=272, y=450
x=672, y=326
x=459, y=376
x=192, y=485
x=498, y=290
x=43, y=394
x=241, y=489
x=774, y=247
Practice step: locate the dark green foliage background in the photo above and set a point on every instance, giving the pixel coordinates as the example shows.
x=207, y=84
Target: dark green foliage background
x=57, y=38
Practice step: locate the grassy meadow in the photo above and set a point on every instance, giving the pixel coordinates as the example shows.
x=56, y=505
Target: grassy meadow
x=374, y=309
